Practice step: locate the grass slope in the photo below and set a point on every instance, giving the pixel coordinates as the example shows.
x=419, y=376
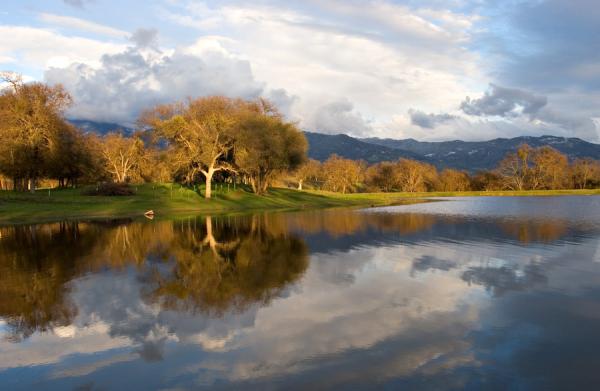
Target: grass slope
x=169, y=200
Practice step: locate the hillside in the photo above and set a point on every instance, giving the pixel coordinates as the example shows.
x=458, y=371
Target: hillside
x=321, y=146
x=476, y=155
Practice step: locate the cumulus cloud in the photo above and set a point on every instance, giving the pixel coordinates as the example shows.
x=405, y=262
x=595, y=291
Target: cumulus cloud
x=338, y=117
x=550, y=46
x=504, y=102
x=125, y=83
x=387, y=58
x=145, y=38
x=283, y=101
x=486, y=128
x=428, y=121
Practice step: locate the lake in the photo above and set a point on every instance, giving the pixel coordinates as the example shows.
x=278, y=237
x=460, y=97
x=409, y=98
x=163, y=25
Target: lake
x=461, y=293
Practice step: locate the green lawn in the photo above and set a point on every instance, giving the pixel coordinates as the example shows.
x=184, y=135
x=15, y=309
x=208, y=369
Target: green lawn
x=168, y=200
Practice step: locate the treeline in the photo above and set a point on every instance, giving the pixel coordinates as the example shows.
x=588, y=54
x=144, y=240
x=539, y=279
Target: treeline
x=219, y=139
x=528, y=168
x=206, y=139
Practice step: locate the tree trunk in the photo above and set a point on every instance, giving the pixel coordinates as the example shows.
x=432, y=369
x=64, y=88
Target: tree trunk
x=253, y=185
x=208, y=191
x=264, y=186
x=300, y=184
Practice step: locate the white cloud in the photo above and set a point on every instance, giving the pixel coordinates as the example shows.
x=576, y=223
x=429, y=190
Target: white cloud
x=125, y=83
x=82, y=25
x=379, y=66
x=337, y=117
x=337, y=66
x=36, y=48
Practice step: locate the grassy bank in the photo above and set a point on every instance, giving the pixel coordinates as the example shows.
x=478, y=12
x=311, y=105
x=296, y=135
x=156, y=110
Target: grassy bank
x=168, y=200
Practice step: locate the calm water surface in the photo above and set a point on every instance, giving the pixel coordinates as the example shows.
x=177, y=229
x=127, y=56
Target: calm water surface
x=473, y=293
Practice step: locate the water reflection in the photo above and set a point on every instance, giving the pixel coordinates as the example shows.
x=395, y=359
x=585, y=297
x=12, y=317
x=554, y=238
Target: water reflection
x=191, y=265
x=324, y=299
x=227, y=267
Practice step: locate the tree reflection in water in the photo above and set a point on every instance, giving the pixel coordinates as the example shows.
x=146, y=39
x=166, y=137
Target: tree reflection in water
x=214, y=265
x=221, y=267
x=209, y=265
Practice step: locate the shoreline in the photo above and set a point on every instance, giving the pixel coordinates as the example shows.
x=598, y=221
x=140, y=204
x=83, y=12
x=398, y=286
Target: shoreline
x=171, y=200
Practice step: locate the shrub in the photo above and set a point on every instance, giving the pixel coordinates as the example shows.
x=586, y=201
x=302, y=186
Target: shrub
x=110, y=189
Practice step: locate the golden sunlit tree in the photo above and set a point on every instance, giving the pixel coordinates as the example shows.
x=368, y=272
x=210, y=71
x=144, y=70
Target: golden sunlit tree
x=585, y=173
x=414, y=176
x=123, y=156
x=31, y=116
x=515, y=168
x=550, y=169
x=453, y=180
x=341, y=175
x=309, y=171
x=381, y=177
x=200, y=133
x=266, y=146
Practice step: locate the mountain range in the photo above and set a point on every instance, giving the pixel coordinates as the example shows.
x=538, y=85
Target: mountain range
x=464, y=155
x=483, y=155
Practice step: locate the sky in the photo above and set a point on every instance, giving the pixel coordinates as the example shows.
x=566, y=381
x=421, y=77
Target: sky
x=430, y=69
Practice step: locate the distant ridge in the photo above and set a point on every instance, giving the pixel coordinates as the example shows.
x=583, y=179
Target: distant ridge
x=462, y=155
x=478, y=155
x=321, y=146
x=100, y=127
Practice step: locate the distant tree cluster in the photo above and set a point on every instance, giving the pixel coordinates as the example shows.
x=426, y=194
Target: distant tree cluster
x=546, y=168
x=528, y=168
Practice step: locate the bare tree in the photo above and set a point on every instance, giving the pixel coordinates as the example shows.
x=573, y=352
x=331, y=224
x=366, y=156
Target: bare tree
x=123, y=155
x=515, y=168
x=310, y=170
x=549, y=169
x=454, y=180
x=584, y=171
x=414, y=176
x=341, y=175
